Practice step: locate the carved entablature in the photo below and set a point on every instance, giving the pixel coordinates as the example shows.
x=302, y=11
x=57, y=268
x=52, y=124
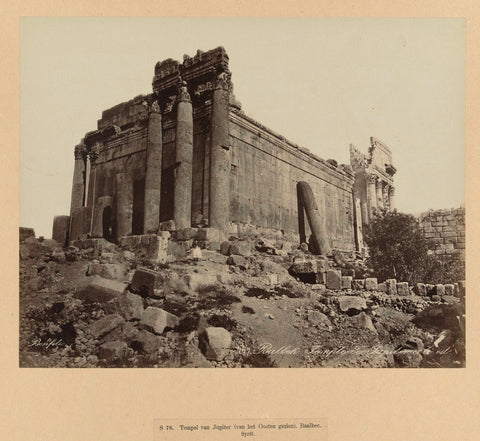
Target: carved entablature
x=199, y=72
x=357, y=158
x=390, y=169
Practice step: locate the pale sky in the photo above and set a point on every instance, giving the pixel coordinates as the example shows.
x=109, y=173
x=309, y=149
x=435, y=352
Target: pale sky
x=322, y=83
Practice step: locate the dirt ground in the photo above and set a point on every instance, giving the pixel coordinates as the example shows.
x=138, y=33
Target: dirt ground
x=259, y=312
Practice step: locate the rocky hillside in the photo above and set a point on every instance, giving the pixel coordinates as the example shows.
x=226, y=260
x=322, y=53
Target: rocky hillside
x=251, y=303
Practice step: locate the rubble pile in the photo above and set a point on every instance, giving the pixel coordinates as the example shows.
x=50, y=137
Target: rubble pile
x=188, y=299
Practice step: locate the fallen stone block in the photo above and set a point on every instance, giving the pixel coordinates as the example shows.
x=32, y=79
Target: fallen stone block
x=197, y=281
x=358, y=284
x=113, y=271
x=113, y=351
x=209, y=234
x=439, y=290
x=238, y=261
x=363, y=321
x=25, y=233
x=61, y=225
x=449, y=289
x=402, y=289
x=408, y=358
x=303, y=266
x=24, y=252
x=320, y=278
x=157, y=320
x=101, y=290
x=347, y=282
x=322, y=265
x=224, y=247
x=240, y=247
x=145, y=281
x=167, y=226
x=146, y=342
x=104, y=325
x=153, y=247
x=130, y=306
x=421, y=289
x=382, y=287
x=215, y=342
x=351, y=304
x=186, y=233
x=371, y=284
x=391, y=287
x=333, y=279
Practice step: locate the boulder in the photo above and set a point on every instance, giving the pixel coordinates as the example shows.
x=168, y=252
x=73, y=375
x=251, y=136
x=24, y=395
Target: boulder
x=402, y=289
x=318, y=319
x=113, y=351
x=25, y=233
x=101, y=290
x=215, y=342
x=224, y=247
x=371, y=284
x=130, y=306
x=104, y=325
x=157, y=320
x=347, y=282
x=351, y=304
x=240, y=247
x=113, y=271
x=208, y=234
x=333, y=279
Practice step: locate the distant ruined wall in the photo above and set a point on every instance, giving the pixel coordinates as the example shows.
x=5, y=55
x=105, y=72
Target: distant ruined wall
x=446, y=230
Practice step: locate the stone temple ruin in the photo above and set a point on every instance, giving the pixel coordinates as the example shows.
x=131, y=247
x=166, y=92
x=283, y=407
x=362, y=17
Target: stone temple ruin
x=187, y=156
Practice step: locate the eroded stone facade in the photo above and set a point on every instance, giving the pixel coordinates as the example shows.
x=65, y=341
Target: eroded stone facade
x=187, y=153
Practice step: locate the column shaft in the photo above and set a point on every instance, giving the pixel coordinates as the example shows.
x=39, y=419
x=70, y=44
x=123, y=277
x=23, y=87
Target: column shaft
x=182, y=194
x=219, y=190
x=391, y=199
x=379, y=194
x=371, y=195
x=124, y=197
x=78, y=186
x=153, y=171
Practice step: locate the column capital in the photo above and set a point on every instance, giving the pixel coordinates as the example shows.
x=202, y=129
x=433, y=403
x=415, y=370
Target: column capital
x=371, y=178
x=80, y=151
x=183, y=95
x=224, y=82
x=154, y=107
x=391, y=190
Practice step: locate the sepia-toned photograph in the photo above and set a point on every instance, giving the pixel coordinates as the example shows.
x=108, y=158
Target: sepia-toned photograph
x=242, y=193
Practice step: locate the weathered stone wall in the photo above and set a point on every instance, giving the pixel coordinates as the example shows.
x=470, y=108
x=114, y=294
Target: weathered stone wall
x=446, y=230
x=263, y=183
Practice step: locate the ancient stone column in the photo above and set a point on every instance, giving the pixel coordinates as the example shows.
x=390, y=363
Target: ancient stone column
x=391, y=197
x=78, y=187
x=219, y=190
x=315, y=220
x=371, y=194
x=153, y=170
x=379, y=189
x=182, y=194
x=385, y=198
x=124, y=198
